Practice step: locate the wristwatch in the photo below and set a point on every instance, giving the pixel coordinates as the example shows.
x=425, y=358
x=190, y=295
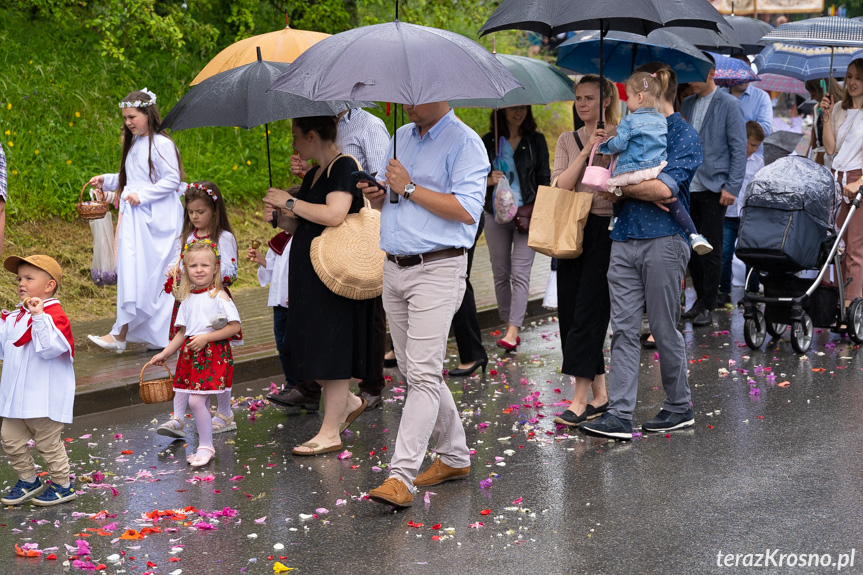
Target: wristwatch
x=409, y=190
x=289, y=205
x=618, y=192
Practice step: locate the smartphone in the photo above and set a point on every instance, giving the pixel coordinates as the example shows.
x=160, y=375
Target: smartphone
x=367, y=178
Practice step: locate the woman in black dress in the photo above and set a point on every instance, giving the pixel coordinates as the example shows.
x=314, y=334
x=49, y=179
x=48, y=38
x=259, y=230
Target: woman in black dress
x=329, y=336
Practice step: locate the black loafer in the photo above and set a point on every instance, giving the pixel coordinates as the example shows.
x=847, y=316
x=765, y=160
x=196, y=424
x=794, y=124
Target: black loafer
x=391, y=363
x=570, y=419
x=372, y=401
x=646, y=343
x=593, y=412
x=692, y=312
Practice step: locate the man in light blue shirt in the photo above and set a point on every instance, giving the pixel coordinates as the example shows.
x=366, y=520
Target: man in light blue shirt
x=439, y=176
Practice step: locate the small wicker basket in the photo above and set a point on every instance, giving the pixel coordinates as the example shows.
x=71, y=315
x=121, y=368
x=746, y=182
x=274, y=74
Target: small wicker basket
x=91, y=210
x=156, y=390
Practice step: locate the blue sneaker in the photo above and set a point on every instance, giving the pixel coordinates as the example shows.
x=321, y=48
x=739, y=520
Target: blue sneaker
x=668, y=421
x=608, y=426
x=22, y=492
x=55, y=495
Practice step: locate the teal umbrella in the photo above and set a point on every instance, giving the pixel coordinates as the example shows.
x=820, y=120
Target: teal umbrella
x=543, y=84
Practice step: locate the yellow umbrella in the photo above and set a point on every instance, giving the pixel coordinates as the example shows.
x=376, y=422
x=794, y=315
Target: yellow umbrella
x=280, y=46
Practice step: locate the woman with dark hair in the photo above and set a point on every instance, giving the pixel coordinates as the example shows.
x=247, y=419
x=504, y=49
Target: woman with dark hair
x=329, y=337
x=151, y=217
x=518, y=152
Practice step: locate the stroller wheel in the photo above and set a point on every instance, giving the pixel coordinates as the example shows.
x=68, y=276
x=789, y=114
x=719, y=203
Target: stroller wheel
x=755, y=331
x=776, y=329
x=855, y=320
x=801, y=334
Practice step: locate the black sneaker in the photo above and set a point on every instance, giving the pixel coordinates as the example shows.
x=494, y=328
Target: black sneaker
x=668, y=421
x=22, y=492
x=608, y=426
x=55, y=495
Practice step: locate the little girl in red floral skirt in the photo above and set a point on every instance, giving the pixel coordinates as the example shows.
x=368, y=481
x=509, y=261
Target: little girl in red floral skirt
x=206, y=321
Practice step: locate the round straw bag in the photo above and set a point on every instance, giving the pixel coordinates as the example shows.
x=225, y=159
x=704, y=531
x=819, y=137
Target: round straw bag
x=92, y=209
x=156, y=390
x=347, y=258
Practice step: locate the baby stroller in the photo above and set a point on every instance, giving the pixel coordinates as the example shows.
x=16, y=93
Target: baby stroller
x=787, y=225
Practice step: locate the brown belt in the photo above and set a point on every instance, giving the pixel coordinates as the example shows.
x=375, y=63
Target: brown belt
x=852, y=176
x=408, y=261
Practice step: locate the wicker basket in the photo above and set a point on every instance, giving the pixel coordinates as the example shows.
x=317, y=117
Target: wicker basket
x=156, y=390
x=92, y=210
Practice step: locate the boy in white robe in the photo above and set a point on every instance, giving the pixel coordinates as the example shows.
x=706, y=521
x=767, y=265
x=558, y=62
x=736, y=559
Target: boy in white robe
x=37, y=387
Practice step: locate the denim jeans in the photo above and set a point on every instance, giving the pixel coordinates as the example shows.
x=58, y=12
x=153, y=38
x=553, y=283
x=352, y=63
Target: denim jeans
x=280, y=328
x=729, y=245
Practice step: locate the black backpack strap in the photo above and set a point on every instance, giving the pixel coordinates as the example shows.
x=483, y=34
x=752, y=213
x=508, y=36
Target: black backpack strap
x=578, y=141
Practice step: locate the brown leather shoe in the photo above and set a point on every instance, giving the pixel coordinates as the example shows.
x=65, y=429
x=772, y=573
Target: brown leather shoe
x=439, y=472
x=393, y=492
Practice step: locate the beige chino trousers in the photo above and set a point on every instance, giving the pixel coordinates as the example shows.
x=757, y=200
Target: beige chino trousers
x=420, y=302
x=46, y=433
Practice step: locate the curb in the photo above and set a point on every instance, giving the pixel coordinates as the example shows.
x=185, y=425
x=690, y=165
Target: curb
x=123, y=392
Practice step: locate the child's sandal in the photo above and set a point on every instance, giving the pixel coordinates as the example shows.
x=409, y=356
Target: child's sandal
x=222, y=424
x=174, y=427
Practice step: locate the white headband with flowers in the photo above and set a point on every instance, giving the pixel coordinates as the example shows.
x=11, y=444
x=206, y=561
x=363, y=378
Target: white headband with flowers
x=140, y=103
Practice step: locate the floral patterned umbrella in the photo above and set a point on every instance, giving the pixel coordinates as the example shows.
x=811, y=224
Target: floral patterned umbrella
x=731, y=71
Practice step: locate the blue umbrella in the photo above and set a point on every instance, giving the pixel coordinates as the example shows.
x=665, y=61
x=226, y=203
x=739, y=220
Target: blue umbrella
x=623, y=52
x=731, y=71
x=804, y=62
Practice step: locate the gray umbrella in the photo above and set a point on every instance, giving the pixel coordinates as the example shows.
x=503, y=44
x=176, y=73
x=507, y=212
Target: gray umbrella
x=239, y=97
x=396, y=62
x=747, y=32
x=780, y=144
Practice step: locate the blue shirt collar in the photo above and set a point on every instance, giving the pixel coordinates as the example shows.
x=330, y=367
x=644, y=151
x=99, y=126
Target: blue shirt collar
x=436, y=129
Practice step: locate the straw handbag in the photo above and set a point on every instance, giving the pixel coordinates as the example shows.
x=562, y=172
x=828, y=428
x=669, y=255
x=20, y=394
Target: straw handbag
x=156, y=390
x=347, y=258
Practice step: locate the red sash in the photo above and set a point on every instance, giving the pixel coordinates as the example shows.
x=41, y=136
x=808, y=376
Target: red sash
x=279, y=242
x=52, y=308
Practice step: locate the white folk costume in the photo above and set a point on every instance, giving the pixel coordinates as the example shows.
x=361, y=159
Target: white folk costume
x=37, y=352
x=275, y=273
x=147, y=234
x=210, y=370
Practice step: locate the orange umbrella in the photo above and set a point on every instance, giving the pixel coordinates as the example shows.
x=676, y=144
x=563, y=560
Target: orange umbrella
x=280, y=46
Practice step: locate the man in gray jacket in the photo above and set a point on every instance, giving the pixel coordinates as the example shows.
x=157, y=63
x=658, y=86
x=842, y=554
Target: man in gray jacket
x=718, y=118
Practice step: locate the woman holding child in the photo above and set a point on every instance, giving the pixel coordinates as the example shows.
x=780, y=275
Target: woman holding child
x=582, y=289
x=151, y=217
x=329, y=338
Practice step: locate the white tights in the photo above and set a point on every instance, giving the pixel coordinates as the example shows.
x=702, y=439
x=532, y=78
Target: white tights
x=199, y=404
x=181, y=403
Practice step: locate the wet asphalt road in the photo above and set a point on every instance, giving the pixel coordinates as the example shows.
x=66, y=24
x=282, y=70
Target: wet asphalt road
x=767, y=466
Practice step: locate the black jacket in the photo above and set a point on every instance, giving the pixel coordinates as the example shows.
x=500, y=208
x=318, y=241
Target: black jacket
x=531, y=165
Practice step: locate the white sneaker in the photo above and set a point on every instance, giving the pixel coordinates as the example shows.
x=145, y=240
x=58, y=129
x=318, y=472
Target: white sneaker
x=117, y=346
x=700, y=244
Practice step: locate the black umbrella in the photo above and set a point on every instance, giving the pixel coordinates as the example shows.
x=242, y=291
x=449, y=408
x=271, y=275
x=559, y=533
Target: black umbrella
x=239, y=97
x=747, y=32
x=709, y=40
x=551, y=17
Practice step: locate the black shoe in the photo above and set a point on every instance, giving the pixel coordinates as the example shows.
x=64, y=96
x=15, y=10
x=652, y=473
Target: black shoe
x=391, y=362
x=372, y=401
x=646, y=342
x=570, y=418
x=608, y=426
x=668, y=421
x=703, y=319
x=280, y=396
x=483, y=363
x=723, y=299
x=296, y=398
x=692, y=312
x=593, y=412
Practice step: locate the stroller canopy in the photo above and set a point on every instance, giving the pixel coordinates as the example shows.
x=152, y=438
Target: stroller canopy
x=796, y=183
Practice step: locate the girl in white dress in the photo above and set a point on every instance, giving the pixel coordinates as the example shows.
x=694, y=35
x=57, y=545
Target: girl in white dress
x=205, y=218
x=206, y=321
x=151, y=218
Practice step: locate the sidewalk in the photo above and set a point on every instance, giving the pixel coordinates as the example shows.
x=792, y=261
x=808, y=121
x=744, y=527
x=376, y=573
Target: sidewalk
x=108, y=381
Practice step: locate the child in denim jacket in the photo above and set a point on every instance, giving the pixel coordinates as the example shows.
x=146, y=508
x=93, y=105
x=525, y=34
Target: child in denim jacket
x=640, y=143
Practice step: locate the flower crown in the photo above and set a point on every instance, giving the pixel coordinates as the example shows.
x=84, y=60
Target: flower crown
x=140, y=103
x=205, y=241
x=204, y=188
